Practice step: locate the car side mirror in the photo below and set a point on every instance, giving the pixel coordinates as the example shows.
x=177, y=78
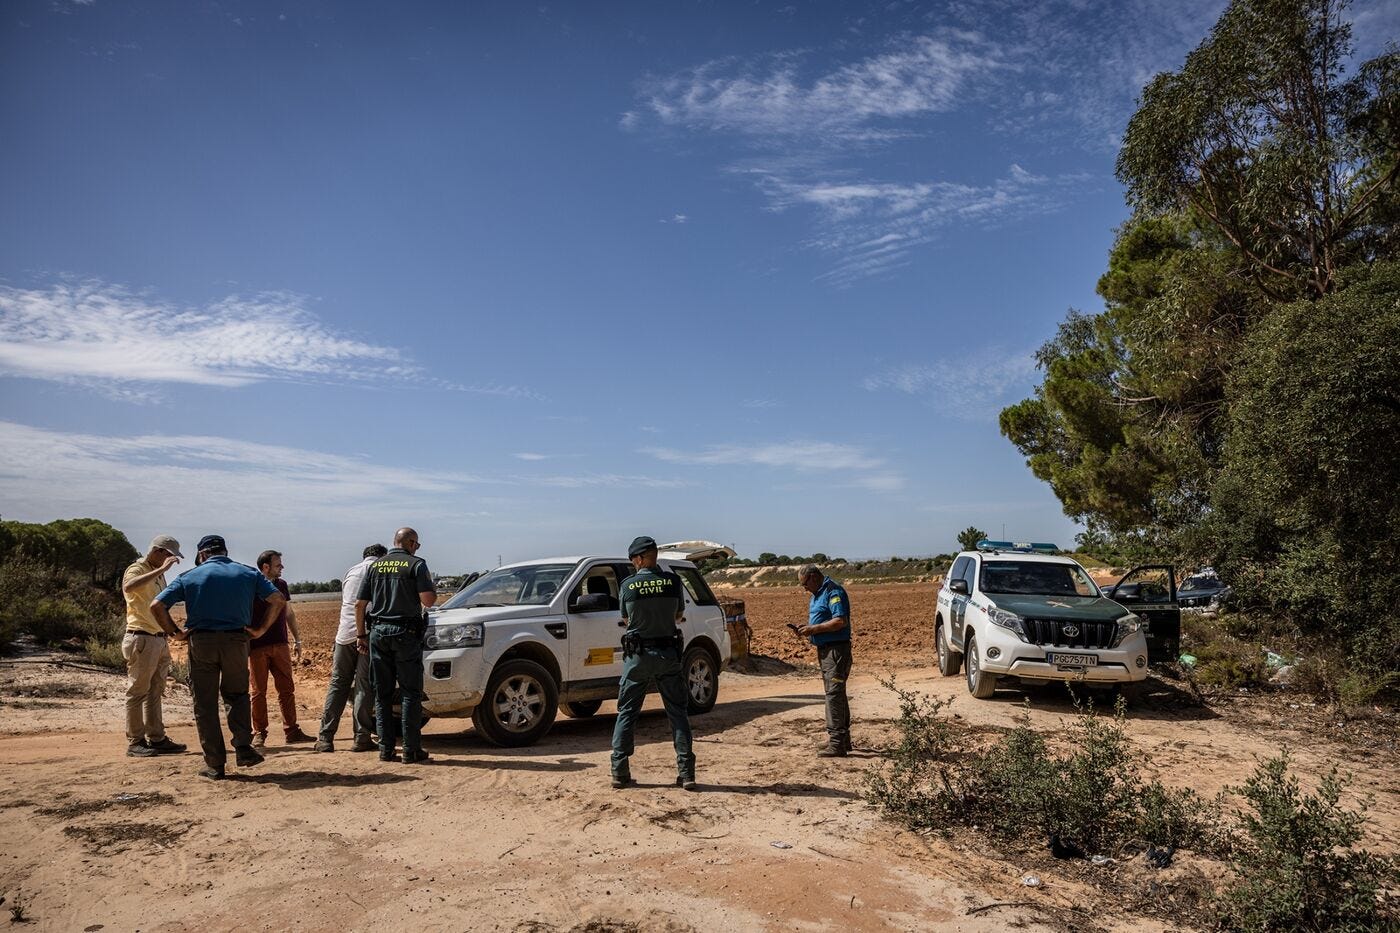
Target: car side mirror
x=590, y=602
x=958, y=586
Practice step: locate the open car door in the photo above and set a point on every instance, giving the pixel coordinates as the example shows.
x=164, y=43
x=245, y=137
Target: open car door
x=1149, y=591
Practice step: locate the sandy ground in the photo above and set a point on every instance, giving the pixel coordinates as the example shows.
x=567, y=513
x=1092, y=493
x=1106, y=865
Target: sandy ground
x=535, y=839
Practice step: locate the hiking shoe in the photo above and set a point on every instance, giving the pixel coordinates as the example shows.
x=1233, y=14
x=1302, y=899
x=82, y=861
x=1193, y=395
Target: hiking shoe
x=295, y=736
x=833, y=751
x=259, y=739
x=213, y=774
x=163, y=746
x=619, y=781
x=247, y=757
x=324, y=745
x=364, y=745
x=139, y=749
x=389, y=755
x=686, y=782
x=416, y=757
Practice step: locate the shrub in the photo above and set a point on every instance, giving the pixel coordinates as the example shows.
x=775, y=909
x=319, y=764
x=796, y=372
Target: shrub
x=914, y=786
x=1092, y=797
x=1296, y=861
x=180, y=672
x=105, y=653
x=54, y=605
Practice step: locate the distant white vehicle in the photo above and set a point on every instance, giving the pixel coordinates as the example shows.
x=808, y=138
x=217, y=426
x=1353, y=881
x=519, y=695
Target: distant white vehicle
x=527, y=639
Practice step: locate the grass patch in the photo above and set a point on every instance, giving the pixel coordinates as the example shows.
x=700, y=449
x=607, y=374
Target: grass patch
x=105, y=653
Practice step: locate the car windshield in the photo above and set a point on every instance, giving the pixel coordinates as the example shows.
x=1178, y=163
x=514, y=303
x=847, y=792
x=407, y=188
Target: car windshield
x=1036, y=578
x=533, y=585
x=1199, y=582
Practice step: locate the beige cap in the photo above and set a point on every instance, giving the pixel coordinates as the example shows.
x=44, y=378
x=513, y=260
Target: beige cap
x=167, y=543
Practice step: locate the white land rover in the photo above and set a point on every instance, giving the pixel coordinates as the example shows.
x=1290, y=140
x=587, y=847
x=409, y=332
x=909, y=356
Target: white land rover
x=1015, y=611
x=526, y=639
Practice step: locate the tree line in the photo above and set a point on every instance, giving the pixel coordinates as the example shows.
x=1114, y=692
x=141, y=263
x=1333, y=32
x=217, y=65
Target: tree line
x=1237, y=400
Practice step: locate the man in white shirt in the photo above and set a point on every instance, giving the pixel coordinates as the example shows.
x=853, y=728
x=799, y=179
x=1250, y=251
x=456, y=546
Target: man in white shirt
x=350, y=668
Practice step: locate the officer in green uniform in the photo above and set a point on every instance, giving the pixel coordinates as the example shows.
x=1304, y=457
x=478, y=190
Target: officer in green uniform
x=390, y=621
x=653, y=604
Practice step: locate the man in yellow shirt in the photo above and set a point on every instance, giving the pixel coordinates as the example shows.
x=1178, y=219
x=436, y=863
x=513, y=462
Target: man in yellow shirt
x=147, y=651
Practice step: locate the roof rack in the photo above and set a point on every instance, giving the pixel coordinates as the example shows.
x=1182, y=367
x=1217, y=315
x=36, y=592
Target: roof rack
x=1017, y=547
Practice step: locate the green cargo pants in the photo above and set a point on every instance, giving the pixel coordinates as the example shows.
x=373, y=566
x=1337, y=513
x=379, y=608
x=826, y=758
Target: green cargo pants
x=639, y=672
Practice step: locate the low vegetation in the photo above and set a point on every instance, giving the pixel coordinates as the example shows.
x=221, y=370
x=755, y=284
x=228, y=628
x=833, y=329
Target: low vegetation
x=1291, y=859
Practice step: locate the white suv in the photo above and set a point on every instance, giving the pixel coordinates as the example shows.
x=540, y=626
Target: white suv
x=1013, y=610
x=526, y=639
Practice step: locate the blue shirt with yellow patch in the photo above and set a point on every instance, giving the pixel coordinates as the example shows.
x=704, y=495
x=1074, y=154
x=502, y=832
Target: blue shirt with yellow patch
x=828, y=603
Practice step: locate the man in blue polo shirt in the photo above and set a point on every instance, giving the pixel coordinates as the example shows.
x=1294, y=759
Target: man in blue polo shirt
x=829, y=629
x=218, y=596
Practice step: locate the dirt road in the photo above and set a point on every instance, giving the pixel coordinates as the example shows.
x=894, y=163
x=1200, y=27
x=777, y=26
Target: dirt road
x=485, y=839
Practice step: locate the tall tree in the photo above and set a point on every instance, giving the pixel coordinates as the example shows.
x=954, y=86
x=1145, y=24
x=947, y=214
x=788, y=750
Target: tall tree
x=1260, y=134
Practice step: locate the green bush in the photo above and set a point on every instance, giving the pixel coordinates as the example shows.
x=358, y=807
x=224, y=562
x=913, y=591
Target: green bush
x=1092, y=796
x=105, y=653
x=54, y=605
x=1297, y=865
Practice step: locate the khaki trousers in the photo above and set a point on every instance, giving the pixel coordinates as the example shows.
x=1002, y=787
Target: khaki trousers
x=277, y=661
x=147, y=666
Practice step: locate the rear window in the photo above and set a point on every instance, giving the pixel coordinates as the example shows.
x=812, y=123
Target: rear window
x=699, y=590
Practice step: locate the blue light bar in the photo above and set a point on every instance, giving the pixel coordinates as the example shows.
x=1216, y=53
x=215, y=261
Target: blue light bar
x=1025, y=547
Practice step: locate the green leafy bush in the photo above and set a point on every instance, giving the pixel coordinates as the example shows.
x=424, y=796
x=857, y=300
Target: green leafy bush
x=105, y=653
x=1092, y=796
x=1297, y=864
x=54, y=605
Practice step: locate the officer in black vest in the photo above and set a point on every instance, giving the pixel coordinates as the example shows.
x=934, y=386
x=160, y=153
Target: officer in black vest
x=653, y=605
x=390, y=622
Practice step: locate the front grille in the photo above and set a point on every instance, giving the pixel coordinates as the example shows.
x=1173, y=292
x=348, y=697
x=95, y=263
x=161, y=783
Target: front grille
x=1051, y=633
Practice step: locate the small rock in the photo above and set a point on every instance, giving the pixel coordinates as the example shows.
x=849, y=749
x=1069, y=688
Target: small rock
x=780, y=845
x=1032, y=881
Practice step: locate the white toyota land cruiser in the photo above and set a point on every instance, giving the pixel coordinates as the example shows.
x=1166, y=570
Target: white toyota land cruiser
x=1014, y=611
x=526, y=639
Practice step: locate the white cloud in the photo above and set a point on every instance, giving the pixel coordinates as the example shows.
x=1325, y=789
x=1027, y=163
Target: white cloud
x=798, y=455
x=99, y=334
x=526, y=455
x=127, y=344
x=915, y=76
x=760, y=403
x=971, y=387
x=870, y=228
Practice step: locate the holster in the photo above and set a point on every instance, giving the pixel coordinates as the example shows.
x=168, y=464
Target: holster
x=631, y=645
x=679, y=639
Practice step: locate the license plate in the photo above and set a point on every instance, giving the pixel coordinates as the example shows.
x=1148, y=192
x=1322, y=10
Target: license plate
x=1060, y=659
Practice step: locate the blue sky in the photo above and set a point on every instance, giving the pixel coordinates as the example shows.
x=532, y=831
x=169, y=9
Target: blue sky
x=538, y=278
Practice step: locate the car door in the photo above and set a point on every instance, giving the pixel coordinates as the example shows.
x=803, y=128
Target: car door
x=595, y=638
x=963, y=569
x=1149, y=592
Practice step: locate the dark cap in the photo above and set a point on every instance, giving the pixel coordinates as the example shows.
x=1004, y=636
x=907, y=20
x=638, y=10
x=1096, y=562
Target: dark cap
x=212, y=541
x=641, y=546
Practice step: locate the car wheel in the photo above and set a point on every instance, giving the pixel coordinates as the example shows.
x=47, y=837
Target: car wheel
x=979, y=683
x=701, y=674
x=520, y=704
x=949, y=661
x=582, y=709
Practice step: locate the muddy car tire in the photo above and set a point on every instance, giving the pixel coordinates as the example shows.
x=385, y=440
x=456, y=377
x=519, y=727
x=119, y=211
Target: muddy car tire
x=581, y=709
x=979, y=683
x=701, y=673
x=949, y=661
x=519, y=706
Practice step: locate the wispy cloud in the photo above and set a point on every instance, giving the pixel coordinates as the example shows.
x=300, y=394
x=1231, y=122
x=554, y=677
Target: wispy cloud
x=869, y=228
x=760, y=403
x=104, y=335
x=531, y=457
x=777, y=96
x=798, y=455
x=968, y=388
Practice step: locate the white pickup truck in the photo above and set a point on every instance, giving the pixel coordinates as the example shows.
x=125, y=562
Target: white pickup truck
x=527, y=639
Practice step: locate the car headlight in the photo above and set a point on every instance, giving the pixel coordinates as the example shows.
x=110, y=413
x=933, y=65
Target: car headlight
x=454, y=636
x=1127, y=625
x=1007, y=620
